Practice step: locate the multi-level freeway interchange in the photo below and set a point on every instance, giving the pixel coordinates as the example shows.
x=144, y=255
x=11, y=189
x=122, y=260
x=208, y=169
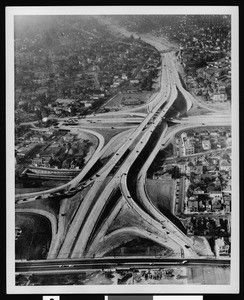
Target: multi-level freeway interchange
x=117, y=189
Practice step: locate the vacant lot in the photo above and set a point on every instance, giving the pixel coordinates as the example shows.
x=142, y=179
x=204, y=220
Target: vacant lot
x=35, y=238
x=109, y=132
x=161, y=192
x=221, y=106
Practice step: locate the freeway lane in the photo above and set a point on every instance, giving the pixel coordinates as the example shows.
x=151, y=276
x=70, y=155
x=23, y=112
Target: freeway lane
x=73, y=265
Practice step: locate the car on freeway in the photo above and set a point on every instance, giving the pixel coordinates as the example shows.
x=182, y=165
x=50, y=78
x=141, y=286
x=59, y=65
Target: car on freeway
x=72, y=189
x=66, y=266
x=71, y=192
x=56, y=195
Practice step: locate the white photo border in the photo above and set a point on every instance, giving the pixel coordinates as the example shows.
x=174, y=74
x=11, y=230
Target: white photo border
x=10, y=12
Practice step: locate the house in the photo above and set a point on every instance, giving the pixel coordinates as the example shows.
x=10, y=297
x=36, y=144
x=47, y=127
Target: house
x=192, y=205
x=228, y=187
x=46, y=160
x=206, y=145
x=227, y=201
x=216, y=96
x=216, y=197
x=131, y=89
x=69, y=138
x=209, y=176
x=228, y=141
x=21, y=152
x=222, y=89
x=132, y=101
x=197, y=169
x=50, y=131
x=36, y=139
x=134, y=81
x=124, y=76
x=86, y=103
x=58, y=110
x=198, y=191
x=54, y=146
x=189, y=147
x=221, y=247
x=36, y=161
x=42, y=90
x=65, y=102
x=224, y=165
x=214, y=134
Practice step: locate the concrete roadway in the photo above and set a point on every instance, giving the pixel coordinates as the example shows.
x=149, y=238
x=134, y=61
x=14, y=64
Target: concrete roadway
x=101, y=202
x=74, y=265
x=82, y=241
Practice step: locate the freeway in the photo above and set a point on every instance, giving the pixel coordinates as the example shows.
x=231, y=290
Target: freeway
x=87, y=227
x=74, y=265
x=82, y=226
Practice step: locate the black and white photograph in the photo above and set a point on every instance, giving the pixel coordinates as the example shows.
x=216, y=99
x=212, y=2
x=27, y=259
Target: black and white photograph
x=122, y=149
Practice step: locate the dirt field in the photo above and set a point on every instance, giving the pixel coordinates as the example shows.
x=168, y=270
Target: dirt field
x=218, y=106
x=34, y=240
x=161, y=192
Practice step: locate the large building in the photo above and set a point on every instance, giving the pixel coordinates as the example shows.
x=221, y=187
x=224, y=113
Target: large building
x=188, y=147
x=131, y=101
